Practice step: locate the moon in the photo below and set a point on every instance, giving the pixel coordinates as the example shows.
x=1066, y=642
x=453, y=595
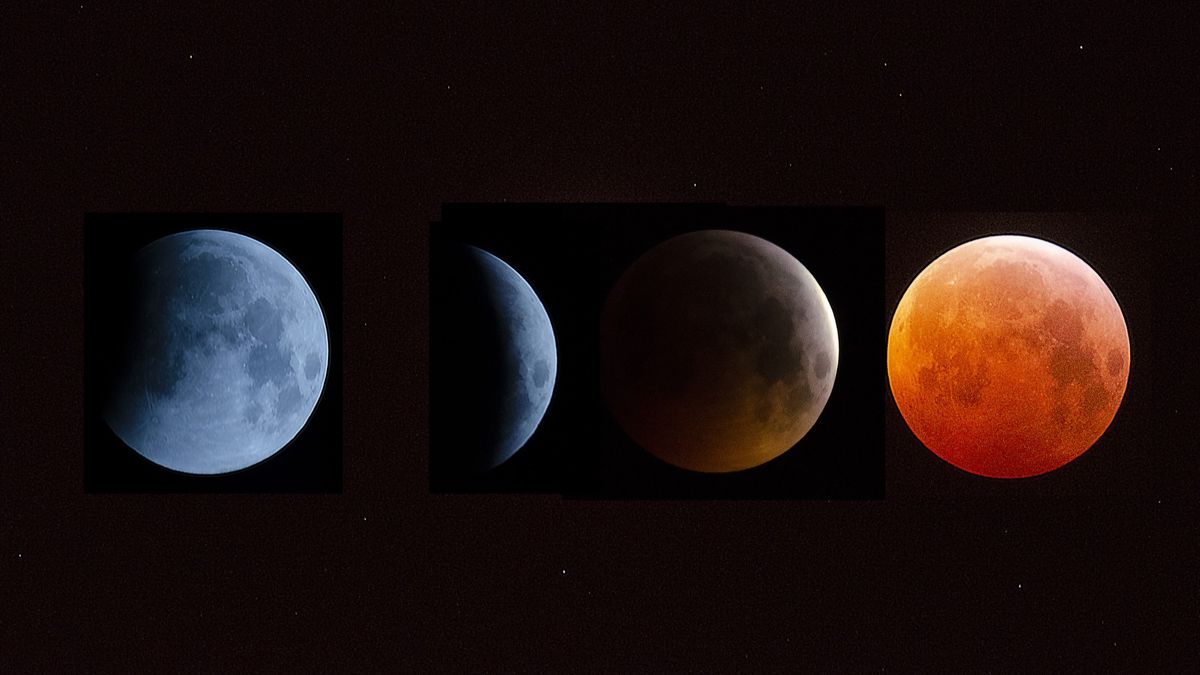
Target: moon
x=227, y=357
x=1008, y=356
x=719, y=351
x=494, y=360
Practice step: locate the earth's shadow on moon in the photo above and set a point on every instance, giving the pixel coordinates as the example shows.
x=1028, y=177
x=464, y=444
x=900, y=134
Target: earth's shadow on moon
x=493, y=359
x=574, y=254
x=312, y=460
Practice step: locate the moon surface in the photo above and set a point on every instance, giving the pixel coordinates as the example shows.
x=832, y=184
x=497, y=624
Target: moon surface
x=494, y=360
x=1008, y=356
x=228, y=354
x=719, y=351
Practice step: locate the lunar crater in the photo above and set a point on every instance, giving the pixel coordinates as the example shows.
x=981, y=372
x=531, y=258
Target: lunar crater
x=821, y=365
x=1116, y=362
x=541, y=373
x=779, y=357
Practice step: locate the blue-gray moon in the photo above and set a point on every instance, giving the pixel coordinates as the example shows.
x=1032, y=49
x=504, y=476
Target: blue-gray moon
x=495, y=360
x=227, y=357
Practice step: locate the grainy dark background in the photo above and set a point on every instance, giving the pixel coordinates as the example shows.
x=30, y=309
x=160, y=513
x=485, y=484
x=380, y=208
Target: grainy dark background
x=386, y=113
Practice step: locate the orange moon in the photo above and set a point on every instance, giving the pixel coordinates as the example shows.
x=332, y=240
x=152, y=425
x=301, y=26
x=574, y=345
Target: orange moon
x=1008, y=356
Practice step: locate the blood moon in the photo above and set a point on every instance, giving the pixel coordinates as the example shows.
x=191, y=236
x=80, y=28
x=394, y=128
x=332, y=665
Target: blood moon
x=1008, y=356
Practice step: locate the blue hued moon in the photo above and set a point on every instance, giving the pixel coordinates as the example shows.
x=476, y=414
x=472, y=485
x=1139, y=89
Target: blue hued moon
x=495, y=360
x=228, y=355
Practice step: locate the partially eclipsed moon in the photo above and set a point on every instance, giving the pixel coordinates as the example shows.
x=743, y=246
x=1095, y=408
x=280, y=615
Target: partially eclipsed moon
x=228, y=357
x=1008, y=356
x=719, y=351
x=494, y=360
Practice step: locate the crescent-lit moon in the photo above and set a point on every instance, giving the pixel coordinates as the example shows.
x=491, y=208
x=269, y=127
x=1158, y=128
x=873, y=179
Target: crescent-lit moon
x=494, y=360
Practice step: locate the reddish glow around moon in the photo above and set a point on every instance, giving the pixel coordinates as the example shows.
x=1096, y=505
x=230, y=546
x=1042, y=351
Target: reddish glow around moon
x=1008, y=356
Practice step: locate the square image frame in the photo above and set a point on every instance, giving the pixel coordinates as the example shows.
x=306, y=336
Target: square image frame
x=1144, y=452
x=311, y=461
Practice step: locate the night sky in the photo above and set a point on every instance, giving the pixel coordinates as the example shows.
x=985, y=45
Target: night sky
x=384, y=115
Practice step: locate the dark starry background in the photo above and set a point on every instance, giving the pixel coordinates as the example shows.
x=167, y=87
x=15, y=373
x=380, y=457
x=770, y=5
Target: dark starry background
x=385, y=114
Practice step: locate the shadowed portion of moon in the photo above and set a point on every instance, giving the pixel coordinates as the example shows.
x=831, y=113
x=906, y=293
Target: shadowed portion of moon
x=227, y=357
x=493, y=360
x=719, y=351
x=1008, y=356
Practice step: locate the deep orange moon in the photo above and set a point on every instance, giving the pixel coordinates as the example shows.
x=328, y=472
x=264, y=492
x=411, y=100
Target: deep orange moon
x=1008, y=356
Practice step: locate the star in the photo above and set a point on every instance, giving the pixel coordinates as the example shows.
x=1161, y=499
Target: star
x=191, y=56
